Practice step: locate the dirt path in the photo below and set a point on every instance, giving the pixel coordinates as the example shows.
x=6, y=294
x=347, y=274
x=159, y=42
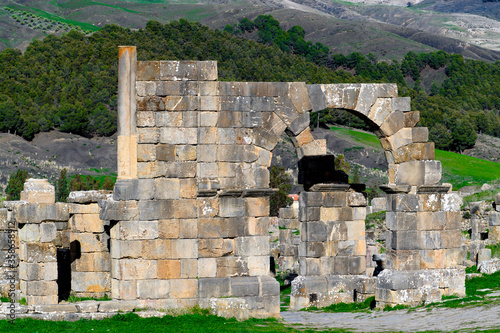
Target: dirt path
x=435, y=319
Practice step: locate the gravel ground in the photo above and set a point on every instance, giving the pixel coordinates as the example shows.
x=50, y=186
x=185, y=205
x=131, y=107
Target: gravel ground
x=434, y=319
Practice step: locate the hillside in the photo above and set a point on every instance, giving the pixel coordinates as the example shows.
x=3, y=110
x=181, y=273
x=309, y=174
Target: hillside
x=344, y=26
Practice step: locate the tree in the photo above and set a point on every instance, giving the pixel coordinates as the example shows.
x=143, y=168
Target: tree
x=280, y=180
x=441, y=137
x=463, y=135
x=108, y=184
x=62, y=190
x=16, y=184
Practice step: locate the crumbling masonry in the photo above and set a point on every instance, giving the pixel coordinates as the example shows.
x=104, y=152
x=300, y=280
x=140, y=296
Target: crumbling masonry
x=188, y=221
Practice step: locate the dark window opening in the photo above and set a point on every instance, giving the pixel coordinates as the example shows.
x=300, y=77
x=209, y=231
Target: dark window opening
x=63, y=273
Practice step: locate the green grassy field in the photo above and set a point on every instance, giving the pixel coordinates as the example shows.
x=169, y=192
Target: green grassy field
x=131, y=322
x=459, y=170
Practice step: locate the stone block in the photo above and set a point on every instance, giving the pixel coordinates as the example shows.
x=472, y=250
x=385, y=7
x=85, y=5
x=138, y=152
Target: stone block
x=208, y=207
x=451, y=238
x=153, y=289
x=36, y=213
x=211, y=228
x=314, y=148
x=380, y=111
x=214, y=287
x=412, y=118
x=451, y=202
x=429, y=202
x=303, y=138
x=155, y=209
x=207, y=267
x=420, y=134
x=37, y=252
x=179, y=136
x=355, y=230
x=89, y=242
x=166, y=188
x=137, y=269
x=169, y=269
x=403, y=259
x=232, y=207
x=38, y=191
x=401, y=104
x=39, y=288
x=126, y=248
x=313, y=214
x=433, y=259
x=251, y=246
x=231, y=266
x=48, y=232
x=356, y=199
x=119, y=210
x=189, y=268
x=494, y=218
x=258, y=207
x=130, y=230
x=184, y=288
x=317, y=231
x=357, y=265
x=169, y=228
x=317, y=97
x=310, y=199
x=211, y=248
x=392, y=124
x=29, y=233
x=187, y=188
x=86, y=223
x=257, y=226
x=148, y=135
x=91, y=282
x=76, y=208
x=156, y=249
x=184, y=248
x=299, y=125
x=180, y=169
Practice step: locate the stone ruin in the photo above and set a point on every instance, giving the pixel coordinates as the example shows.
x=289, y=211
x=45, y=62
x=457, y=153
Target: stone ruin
x=188, y=221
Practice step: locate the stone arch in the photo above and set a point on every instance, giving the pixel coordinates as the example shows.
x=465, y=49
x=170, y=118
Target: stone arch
x=409, y=155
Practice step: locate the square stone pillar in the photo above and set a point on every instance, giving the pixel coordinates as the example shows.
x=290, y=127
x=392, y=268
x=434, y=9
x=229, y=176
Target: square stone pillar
x=424, y=254
x=36, y=219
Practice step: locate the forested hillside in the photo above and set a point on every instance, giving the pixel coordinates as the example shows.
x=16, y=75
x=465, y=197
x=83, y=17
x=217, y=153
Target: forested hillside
x=70, y=82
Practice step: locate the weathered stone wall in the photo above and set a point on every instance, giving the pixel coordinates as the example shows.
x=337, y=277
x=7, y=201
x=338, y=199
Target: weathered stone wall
x=9, y=254
x=289, y=240
x=89, y=245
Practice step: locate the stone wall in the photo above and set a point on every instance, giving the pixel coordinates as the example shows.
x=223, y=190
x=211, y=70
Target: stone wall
x=289, y=240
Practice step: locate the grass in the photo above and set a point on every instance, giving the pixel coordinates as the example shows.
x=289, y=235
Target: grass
x=495, y=250
x=367, y=139
x=374, y=218
x=131, y=322
x=74, y=299
x=481, y=196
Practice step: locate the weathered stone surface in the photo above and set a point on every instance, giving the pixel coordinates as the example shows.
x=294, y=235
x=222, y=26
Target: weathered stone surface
x=36, y=213
x=38, y=191
x=37, y=252
x=418, y=173
x=86, y=197
x=119, y=210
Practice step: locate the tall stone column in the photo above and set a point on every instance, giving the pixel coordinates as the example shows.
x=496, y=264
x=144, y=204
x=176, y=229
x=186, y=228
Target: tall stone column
x=127, y=138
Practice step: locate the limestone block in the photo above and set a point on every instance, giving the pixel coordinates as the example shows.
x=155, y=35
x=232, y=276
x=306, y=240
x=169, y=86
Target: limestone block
x=153, y=289
x=207, y=135
x=124, y=290
x=299, y=96
x=125, y=248
x=119, y=210
x=232, y=207
x=42, y=300
x=429, y=202
x=29, y=233
x=38, y=191
x=133, y=189
x=137, y=269
x=208, y=119
x=494, y=218
x=145, y=88
x=258, y=265
x=92, y=282
x=252, y=119
x=414, y=152
x=148, y=135
x=184, y=288
x=380, y=111
x=265, y=139
x=257, y=226
x=356, y=199
x=208, y=207
x=411, y=118
x=229, y=118
x=185, y=209
x=180, y=169
x=214, y=248
x=155, y=209
x=399, y=139
x=75, y=208
x=130, y=230
x=36, y=213
x=48, y=231
x=401, y=104
x=148, y=70
x=169, y=269
x=244, y=286
x=211, y=228
x=207, y=267
x=40, y=288
x=166, y=152
x=156, y=249
x=316, y=231
x=209, y=88
x=451, y=202
x=169, y=228
x=300, y=124
x=233, y=153
x=314, y=214
x=168, y=119
x=433, y=259
x=146, y=119
x=451, y=238
x=392, y=124
x=167, y=188
x=37, y=252
x=317, y=97
x=90, y=242
x=184, y=248
x=32, y=271
x=285, y=110
x=146, y=152
x=187, y=188
x=85, y=223
x=179, y=136
x=403, y=259
x=314, y=148
x=251, y=246
x=359, y=213
x=418, y=173
x=258, y=207
x=355, y=230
